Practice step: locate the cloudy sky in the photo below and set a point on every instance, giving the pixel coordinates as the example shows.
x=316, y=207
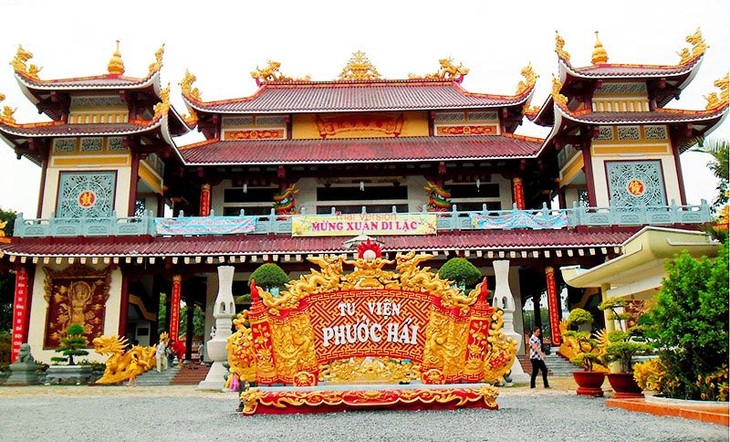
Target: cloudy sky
x=222, y=42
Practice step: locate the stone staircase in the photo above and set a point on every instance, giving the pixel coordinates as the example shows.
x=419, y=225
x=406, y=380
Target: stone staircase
x=556, y=364
x=191, y=374
x=153, y=379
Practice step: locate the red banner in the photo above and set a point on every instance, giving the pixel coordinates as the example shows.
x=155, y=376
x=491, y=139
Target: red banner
x=518, y=193
x=553, y=306
x=20, y=306
x=175, y=307
x=205, y=200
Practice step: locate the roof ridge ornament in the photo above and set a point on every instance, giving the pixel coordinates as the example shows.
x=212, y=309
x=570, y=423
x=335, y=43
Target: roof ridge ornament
x=157, y=65
x=713, y=100
x=116, y=64
x=269, y=73
x=530, y=79
x=559, y=99
x=559, y=48
x=697, y=50
x=163, y=107
x=600, y=55
x=359, y=68
x=7, y=113
x=186, y=84
x=18, y=64
x=447, y=71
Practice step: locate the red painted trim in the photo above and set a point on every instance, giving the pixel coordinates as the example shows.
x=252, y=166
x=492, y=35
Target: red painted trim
x=553, y=306
x=588, y=170
x=123, y=306
x=133, y=183
x=175, y=307
x=42, y=193
x=680, y=177
x=21, y=307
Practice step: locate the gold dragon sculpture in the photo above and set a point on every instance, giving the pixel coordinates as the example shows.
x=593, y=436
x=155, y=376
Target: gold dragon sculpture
x=119, y=359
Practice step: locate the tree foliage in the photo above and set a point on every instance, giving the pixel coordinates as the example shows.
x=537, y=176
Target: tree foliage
x=461, y=271
x=269, y=275
x=7, y=280
x=73, y=344
x=198, y=321
x=692, y=323
x=719, y=165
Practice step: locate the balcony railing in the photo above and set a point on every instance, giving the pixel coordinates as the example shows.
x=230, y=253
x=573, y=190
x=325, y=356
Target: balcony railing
x=453, y=220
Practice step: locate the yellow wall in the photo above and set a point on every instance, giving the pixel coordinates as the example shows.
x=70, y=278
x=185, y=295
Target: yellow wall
x=415, y=124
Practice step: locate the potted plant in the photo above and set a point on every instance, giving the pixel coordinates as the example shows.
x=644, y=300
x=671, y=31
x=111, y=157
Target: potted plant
x=586, y=354
x=621, y=346
x=459, y=270
x=73, y=344
x=270, y=277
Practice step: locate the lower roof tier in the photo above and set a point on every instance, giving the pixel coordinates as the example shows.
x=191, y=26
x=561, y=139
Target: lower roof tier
x=525, y=243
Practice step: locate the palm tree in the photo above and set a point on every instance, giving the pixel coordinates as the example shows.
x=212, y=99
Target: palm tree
x=719, y=149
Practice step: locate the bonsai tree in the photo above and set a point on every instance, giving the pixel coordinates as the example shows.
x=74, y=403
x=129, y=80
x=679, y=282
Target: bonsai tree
x=461, y=272
x=270, y=276
x=73, y=344
x=623, y=344
x=587, y=351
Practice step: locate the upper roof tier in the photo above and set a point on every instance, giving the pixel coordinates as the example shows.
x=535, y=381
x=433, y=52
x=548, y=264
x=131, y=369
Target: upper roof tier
x=52, y=96
x=359, y=89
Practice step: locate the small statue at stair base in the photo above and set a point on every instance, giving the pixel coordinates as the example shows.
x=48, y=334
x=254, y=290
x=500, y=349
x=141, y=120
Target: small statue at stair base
x=119, y=365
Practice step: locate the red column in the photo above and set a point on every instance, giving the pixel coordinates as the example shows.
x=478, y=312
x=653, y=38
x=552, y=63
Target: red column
x=205, y=200
x=175, y=307
x=21, y=307
x=518, y=193
x=553, y=306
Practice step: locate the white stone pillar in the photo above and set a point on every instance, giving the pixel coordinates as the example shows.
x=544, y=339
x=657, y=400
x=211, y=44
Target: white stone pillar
x=224, y=310
x=504, y=299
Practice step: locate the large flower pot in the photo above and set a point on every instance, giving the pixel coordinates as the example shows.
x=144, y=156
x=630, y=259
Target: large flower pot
x=624, y=386
x=589, y=382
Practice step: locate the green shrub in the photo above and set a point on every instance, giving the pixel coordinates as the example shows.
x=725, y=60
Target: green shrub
x=73, y=344
x=5, y=344
x=578, y=317
x=270, y=275
x=691, y=324
x=460, y=271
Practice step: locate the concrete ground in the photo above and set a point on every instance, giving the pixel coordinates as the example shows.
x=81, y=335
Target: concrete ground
x=182, y=413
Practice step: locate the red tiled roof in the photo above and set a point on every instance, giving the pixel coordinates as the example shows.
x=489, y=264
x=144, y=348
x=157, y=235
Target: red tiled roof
x=60, y=129
x=614, y=70
x=107, y=81
x=339, y=96
x=360, y=150
x=234, y=245
x=666, y=116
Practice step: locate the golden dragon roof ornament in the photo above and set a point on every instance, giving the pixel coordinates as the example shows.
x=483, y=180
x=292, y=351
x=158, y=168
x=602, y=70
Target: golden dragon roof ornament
x=697, y=50
x=18, y=64
x=157, y=65
x=559, y=99
x=559, y=48
x=163, y=107
x=116, y=64
x=713, y=100
x=190, y=93
x=600, y=55
x=269, y=73
x=7, y=113
x=359, y=68
x=530, y=79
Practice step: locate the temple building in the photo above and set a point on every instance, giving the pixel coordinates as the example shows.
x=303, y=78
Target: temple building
x=304, y=167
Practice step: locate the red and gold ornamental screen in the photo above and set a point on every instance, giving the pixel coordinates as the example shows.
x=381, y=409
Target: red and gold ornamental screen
x=371, y=325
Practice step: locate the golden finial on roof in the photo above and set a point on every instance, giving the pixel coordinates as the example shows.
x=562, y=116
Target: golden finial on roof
x=448, y=70
x=7, y=113
x=558, y=98
x=163, y=107
x=116, y=65
x=600, y=56
x=269, y=73
x=713, y=100
x=157, y=65
x=559, y=47
x=18, y=63
x=359, y=68
x=187, y=87
x=698, y=47
x=530, y=79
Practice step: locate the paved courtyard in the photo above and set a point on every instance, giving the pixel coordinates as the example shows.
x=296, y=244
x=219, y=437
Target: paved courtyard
x=185, y=414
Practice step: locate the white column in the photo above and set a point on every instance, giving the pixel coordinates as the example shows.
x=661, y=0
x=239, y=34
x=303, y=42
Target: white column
x=504, y=299
x=223, y=311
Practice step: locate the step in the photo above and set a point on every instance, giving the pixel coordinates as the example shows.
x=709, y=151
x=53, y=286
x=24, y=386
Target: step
x=191, y=374
x=153, y=378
